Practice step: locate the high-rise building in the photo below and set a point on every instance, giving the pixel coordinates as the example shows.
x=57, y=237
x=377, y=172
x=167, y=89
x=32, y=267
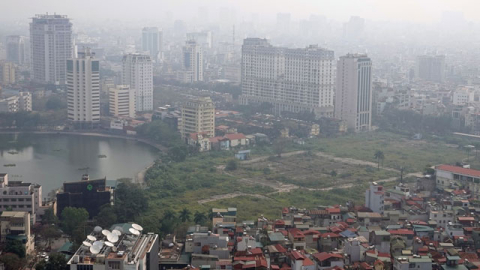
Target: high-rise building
x=198, y=116
x=122, y=101
x=83, y=90
x=204, y=38
x=294, y=80
x=152, y=40
x=51, y=46
x=353, y=96
x=16, y=49
x=192, y=62
x=7, y=73
x=138, y=73
x=374, y=198
x=21, y=196
x=431, y=67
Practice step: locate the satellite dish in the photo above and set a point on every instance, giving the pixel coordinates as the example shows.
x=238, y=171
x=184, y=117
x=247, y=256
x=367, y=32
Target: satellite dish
x=133, y=231
x=87, y=244
x=91, y=238
x=117, y=232
x=106, y=232
x=137, y=227
x=98, y=244
x=112, y=237
x=95, y=249
x=118, y=228
x=108, y=244
x=97, y=229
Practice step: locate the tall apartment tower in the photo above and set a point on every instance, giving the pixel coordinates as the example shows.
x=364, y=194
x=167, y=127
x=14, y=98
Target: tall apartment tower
x=198, y=116
x=15, y=46
x=294, y=80
x=431, y=68
x=152, y=40
x=7, y=73
x=138, y=73
x=51, y=46
x=83, y=90
x=353, y=97
x=122, y=101
x=192, y=62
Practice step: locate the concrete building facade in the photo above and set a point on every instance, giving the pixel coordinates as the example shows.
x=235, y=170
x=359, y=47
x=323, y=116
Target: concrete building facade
x=198, y=116
x=16, y=226
x=15, y=46
x=7, y=73
x=374, y=198
x=431, y=67
x=152, y=39
x=192, y=62
x=19, y=196
x=51, y=45
x=138, y=73
x=293, y=80
x=122, y=101
x=353, y=97
x=83, y=90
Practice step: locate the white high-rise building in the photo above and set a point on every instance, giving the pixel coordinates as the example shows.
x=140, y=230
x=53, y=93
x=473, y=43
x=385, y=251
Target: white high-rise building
x=122, y=101
x=192, y=62
x=15, y=46
x=353, y=97
x=51, y=46
x=375, y=197
x=152, y=40
x=138, y=73
x=83, y=90
x=294, y=80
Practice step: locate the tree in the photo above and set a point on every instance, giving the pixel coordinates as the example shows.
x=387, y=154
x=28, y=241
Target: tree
x=178, y=152
x=54, y=103
x=56, y=261
x=130, y=202
x=185, y=215
x=333, y=173
x=169, y=215
x=15, y=247
x=199, y=217
x=49, y=217
x=49, y=232
x=106, y=216
x=379, y=156
x=12, y=261
x=72, y=219
x=279, y=146
x=231, y=165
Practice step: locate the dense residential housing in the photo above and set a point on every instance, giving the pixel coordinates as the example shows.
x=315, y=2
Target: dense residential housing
x=294, y=80
x=431, y=67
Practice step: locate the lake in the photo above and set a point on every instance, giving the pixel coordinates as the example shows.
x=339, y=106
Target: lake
x=51, y=160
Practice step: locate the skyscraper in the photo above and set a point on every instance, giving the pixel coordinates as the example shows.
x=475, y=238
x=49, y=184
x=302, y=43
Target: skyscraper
x=16, y=49
x=198, y=116
x=51, y=46
x=122, y=101
x=138, y=73
x=293, y=80
x=431, y=67
x=152, y=42
x=192, y=62
x=83, y=90
x=353, y=97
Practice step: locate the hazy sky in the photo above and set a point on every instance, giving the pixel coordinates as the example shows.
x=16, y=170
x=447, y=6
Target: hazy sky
x=341, y=10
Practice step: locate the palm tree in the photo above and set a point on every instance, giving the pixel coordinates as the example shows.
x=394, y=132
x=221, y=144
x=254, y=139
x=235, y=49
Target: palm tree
x=379, y=156
x=169, y=215
x=477, y=147
x=199, y=217
x=185, y=215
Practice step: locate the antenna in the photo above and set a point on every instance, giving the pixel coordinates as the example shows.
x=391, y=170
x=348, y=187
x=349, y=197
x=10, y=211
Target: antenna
x=133, y=231
x=87, y=244
x=117, y=232
x=109, y=244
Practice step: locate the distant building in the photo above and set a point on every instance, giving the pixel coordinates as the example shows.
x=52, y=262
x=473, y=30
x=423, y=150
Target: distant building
x=463, y=96
x=353, y=97
x=88, y=194
x=198, y=116
x=19, y=196
x=83, y=90
x=138, y=73
x=51, y=45
x=354, y=28
x=122, y=101
x=7, y=73
x=128, y=251
x=15, y=225
x=294, y=80
x=20, y=102
x=15, y=46
x=374, y=198
x=204, y=38
x=192, y=62
x=152, y=40
x=431, y=68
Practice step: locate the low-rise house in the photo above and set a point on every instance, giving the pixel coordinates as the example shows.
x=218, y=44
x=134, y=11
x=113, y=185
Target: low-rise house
x=412, y=262
x=236, y=139
x=327, y=260
x=16, y=226
x=297, y=237
x=381, y=240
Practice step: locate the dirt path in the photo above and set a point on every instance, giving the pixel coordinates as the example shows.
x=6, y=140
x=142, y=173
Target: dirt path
x=230, y=196
x=263, y=158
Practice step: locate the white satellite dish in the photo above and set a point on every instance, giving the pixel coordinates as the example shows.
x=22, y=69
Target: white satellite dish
x=137, y=227
x=97, y=229
x=112, y=237
x=98, y=244
x=133, y=231
x=118, y=228
x=91, y=238
x=95, y=249
x=108, y=244
x=106, y=232
x=117, y=232
x=87, y=244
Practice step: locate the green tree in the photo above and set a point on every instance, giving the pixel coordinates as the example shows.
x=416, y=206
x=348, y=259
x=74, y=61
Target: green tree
x=15, y=247
x=279, y=146
x=379, y=156
x=199, y=218
x=333, y=173
x=56, y=261
x=231, y=165
x=106, y=216
x=130, y=202
x=178, y=152
x=49, y=217
x=72, y=219
x=49, y=232
x=185, y=215
x=55, y=103
x=12, y=261
x=169, y=215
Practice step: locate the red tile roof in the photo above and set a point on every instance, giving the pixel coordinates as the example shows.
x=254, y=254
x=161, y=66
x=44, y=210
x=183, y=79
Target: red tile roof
x=459, y=170
x=280, y=248
x=330, y=234
x=236, y=136
x=401, y=232
x=296, y=233
x=307, y=262
x=325, y=256
x=333, y=210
